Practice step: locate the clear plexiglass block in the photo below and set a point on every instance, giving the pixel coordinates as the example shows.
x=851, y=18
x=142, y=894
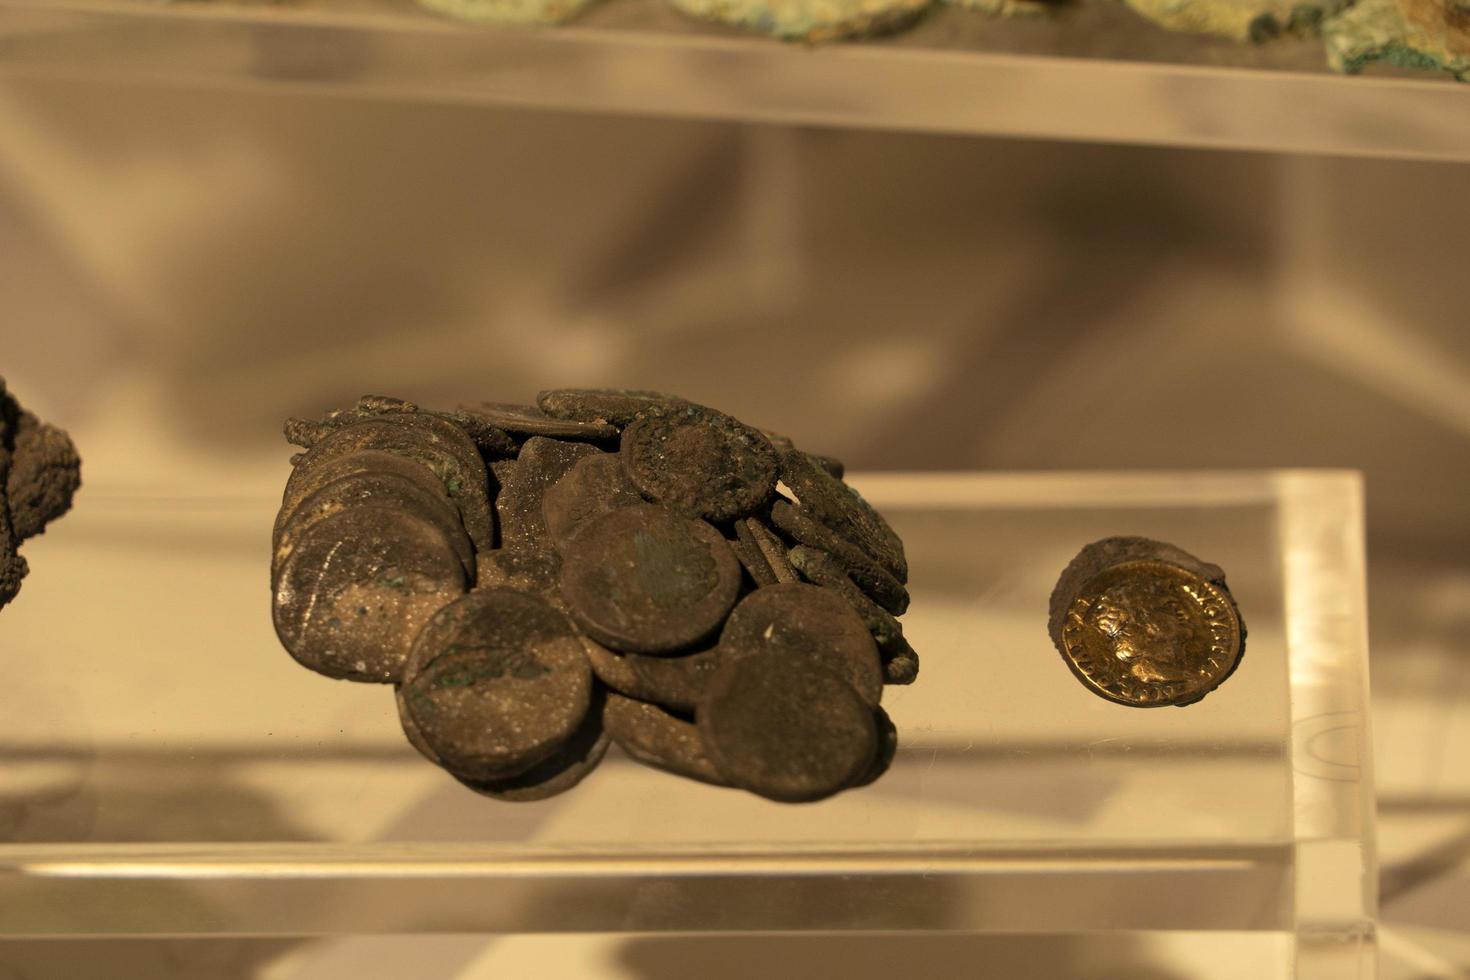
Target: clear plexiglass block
x=166, y=769
x=1096, y=73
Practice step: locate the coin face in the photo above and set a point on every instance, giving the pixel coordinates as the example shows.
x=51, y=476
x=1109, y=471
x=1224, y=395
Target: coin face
x=558, y=772
x=792, y=732
x=699, y=462
x=594, y=486
x=647, y=580
x=1148, y=633
x=518, y=506
x=496, y=683
x=803, y=623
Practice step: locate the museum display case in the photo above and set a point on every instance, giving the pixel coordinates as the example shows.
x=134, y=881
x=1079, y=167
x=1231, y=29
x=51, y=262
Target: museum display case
x=170, y=771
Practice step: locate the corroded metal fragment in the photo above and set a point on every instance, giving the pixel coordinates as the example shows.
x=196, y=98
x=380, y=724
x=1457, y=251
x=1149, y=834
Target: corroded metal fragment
x=40, y=473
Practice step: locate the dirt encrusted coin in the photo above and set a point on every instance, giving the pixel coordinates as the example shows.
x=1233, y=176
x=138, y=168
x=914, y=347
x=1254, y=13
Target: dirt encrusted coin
x=616, y=406
x=656, y=738
x=594, y=486
x=648, y=580
x=699, y=462
x=540, y=581
x=828, y=500
x=806, y=624
x=496, y=683
x=356, y=587
x=788, y=731
x=1146, y=624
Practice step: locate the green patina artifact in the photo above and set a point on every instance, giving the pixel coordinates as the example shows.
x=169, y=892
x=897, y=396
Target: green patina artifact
x=538, y=582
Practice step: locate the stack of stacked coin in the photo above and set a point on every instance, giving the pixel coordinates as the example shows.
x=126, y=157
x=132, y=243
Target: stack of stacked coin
x=606, y=566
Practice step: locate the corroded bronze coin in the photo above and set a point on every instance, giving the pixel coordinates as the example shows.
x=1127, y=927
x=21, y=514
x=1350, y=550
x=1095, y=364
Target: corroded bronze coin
x=594, y=486
x=357, y=586
x=433, y=441
x=518, y=506
x=558, y=772
x=1146, y=631
x=533, y=570
x=308, y=479
x=656, y=738
x=837, y=505
x=648, y=580
x=869, y=575
x=762, y=544
x=496, y=683
x=617, y=406
x=788, y=731
x=527, y=420
x=376, y=489
x=806, y=623
x=900, y=662
x=699, y=462
x=673, y=682
x=887, y=749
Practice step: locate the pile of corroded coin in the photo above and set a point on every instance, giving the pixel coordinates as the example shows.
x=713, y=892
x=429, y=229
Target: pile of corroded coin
x=606, y=566
x=39, y=473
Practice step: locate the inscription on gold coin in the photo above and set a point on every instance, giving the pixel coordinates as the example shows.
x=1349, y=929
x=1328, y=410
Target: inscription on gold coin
x=1149, y=633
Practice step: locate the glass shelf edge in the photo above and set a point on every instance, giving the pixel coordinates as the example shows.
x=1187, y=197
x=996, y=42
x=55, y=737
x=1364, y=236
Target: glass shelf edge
x=621, y=71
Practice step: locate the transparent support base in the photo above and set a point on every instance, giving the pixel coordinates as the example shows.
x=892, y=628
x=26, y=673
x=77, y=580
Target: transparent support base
x=166, y=769
x=1095, y=73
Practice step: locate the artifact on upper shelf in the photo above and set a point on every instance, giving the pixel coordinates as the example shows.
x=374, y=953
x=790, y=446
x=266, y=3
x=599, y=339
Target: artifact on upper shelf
x=39, y=474
x=1252, y=21
x=1145, y=624
x=1013, y=8
x=538, y=582
x=811, y=21
x=509, y=11
x=1433, y=35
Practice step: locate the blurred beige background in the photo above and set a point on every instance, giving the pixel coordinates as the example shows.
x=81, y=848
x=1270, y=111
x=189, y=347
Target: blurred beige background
x=181, y=270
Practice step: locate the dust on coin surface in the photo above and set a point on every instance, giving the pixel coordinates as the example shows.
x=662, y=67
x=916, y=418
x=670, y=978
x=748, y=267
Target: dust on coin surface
x=571, y=763
x=804, y=623
x=380, y=489
x=828, y=500
x=616, y=406
x=656, y=738
x=699, y=462
x=648, y=580
x=595, y=485
x=523, y=485
x=792, y=732
x=678, y=682
x=496, y=683
x=870, y=575
x=528, y=420
x=357, y=586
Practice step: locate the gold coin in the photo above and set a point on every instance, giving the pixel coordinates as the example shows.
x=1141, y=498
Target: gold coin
x=1148, y=633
